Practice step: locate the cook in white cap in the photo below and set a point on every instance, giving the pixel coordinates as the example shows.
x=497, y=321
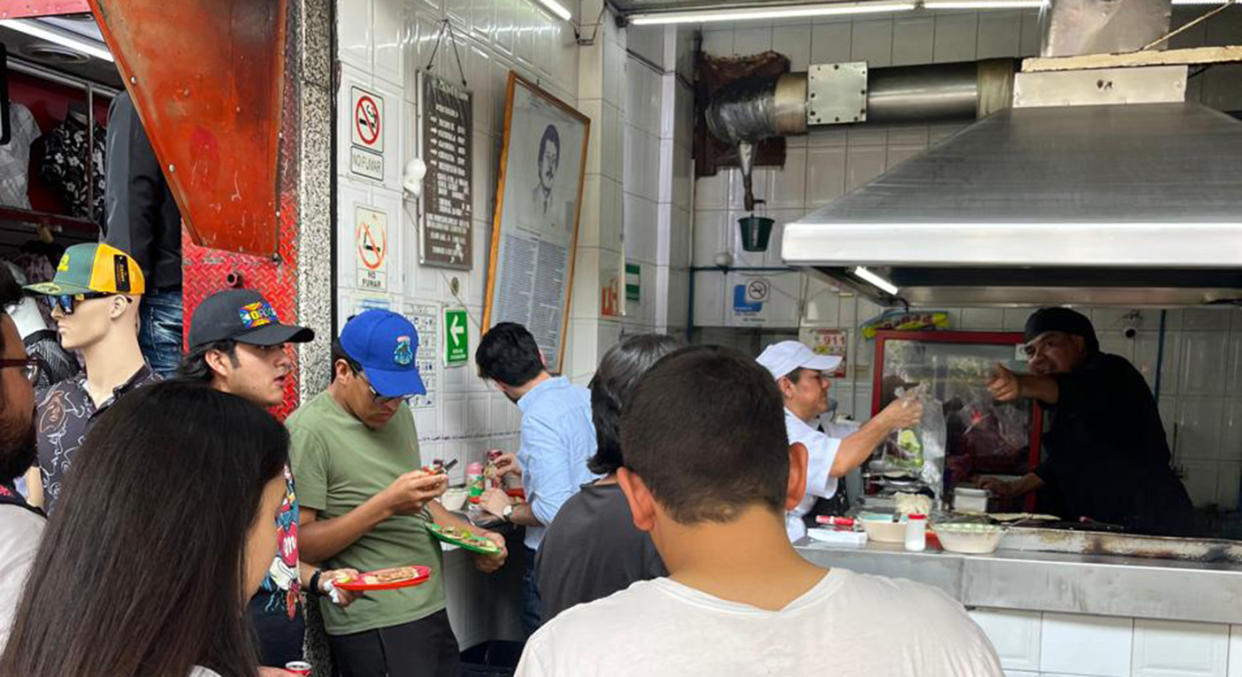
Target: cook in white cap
x=801, y=376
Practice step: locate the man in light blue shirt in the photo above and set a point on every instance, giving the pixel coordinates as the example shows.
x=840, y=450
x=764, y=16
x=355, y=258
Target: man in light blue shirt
x=557, y=439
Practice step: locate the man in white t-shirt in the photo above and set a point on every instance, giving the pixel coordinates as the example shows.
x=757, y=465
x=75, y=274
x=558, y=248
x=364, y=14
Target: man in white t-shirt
x=20, y=526
x=709, y=474
x=802, y=378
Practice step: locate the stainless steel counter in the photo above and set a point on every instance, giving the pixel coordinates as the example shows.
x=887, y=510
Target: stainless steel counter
x=1058, y=582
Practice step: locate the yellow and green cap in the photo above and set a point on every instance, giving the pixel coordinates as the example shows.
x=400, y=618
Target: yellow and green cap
x=94, y=267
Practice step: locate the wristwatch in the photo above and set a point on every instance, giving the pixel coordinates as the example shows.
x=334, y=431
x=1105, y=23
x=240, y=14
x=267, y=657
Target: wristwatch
x=504, y=514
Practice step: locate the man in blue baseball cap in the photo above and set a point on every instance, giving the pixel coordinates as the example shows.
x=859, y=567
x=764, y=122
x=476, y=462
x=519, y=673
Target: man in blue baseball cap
x=365, y=503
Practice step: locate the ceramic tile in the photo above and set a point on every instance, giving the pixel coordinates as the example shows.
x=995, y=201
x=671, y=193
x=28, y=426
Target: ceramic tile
x=956, y=37
x=482, y=16
x=751, y=41
x=1203, y=365
x=718, y=42
x=1014, y=635
x=388, y=32
x=1167, y=648
x=789, y=182
x=989, y=319
x=830, y=43
x=872, y=41
x=1231, y=431
x=1199, y=427
x=863, y=164
x=1029, y=42
x=1205, y=319
x=1227, y=485
x=1086, y=645
x=1202, y=481
x=826, y=174
x=354, y=34
x=795, y=43
x=912, y=41
x=1000, y=35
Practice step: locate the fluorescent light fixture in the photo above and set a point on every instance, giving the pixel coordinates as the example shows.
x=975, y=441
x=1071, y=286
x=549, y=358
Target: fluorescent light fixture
x=1199, y=2
x=985, y=4
x=557, y=9
x=34, y=29
x=881, y=283
x=776, y=12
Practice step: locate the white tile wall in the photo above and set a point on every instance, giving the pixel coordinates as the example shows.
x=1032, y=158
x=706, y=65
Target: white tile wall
x=1086, y=645
x=1014, y=635
x=1172, y=649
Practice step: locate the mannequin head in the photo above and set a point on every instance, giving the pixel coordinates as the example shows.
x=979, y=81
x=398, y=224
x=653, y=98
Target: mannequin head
x=95, y=296
x=94, y=320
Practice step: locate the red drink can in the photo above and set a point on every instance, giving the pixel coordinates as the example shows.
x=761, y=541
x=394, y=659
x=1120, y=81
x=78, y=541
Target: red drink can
x=301, y=668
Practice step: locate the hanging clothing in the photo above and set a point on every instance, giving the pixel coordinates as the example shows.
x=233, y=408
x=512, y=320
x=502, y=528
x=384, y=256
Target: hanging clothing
x=15, y=157
x=65, y=150
x=142, y=217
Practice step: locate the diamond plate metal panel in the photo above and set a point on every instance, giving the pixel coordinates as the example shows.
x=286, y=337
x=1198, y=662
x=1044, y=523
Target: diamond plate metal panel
x=206, y=270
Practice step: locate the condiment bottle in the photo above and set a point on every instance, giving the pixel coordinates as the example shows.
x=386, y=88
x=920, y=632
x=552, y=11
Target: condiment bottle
x=474, y=481
x=916, y=533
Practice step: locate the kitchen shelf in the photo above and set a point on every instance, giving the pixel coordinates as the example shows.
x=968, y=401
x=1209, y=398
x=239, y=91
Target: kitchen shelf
x=71, y=227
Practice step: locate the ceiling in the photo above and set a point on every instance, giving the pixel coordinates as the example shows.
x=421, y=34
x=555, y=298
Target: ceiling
x=34, y=50
x=636, y=6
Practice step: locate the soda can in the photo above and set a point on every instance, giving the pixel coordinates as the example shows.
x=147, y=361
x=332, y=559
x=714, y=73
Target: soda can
x=301, y=668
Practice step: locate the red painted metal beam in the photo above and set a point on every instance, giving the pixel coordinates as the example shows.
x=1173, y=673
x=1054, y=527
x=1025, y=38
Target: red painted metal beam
x=207, y=80
x=19, y=9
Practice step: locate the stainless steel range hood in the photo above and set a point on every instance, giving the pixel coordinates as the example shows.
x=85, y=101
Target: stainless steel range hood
x=1132, y=204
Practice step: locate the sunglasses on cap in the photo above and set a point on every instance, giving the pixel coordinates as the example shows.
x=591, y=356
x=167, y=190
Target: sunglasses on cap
x=67, y=302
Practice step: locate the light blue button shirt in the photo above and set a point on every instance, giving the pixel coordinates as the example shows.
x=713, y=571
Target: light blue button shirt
x=557, y=440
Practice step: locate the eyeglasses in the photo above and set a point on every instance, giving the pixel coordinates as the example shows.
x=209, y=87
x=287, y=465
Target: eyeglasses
x=384, y=399
x=31, y=367
x=67, y=302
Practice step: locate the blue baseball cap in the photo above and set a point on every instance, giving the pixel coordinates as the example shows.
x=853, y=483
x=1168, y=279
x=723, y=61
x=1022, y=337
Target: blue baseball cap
x=385, y=344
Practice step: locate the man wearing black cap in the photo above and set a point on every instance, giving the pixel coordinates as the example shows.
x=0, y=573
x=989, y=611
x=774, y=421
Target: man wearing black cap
x=238, y=346
x=1107, y=457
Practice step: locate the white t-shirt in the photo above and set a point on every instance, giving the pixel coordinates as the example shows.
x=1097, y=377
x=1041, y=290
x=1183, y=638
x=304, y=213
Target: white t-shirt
x=20, y=531
x=821, y=452
x=848, y=624
x=200, y=671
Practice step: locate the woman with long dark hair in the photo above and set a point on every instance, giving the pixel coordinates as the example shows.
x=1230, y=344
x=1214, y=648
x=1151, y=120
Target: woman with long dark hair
x=592, y=549
x=166, y=529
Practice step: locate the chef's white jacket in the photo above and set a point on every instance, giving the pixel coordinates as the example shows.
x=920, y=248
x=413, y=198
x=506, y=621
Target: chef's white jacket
x=821, y=452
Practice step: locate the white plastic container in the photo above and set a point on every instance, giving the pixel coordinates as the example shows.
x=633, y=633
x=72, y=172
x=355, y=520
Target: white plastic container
x=970, y=500
x=916, y=533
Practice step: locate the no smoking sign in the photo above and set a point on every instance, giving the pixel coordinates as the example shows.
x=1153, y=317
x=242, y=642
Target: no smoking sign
x=366, y=131
x=367, y=121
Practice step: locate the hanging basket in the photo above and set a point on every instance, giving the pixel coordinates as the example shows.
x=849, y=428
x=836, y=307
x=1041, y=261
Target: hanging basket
x=756, y=230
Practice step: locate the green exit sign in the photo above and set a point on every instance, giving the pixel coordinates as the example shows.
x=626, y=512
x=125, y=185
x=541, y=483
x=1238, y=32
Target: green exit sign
x=456, y=337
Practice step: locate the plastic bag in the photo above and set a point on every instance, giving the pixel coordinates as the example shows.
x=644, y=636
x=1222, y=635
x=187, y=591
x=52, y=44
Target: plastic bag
x=921, y=450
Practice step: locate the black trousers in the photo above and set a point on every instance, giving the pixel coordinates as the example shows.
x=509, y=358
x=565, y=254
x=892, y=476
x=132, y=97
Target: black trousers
x=279, y=638
x=422, y=648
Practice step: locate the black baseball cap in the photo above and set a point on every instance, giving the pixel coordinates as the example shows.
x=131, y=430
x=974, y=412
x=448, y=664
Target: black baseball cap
x=242, y=315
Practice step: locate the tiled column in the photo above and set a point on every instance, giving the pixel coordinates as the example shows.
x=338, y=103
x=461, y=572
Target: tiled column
x=598, y=262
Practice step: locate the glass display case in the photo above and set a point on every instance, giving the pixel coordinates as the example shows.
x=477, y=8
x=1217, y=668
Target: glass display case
x=982, y=436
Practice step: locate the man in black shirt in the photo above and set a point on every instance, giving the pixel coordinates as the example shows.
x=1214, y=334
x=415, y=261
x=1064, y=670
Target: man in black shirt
x=1107, y=457
x=142, y=219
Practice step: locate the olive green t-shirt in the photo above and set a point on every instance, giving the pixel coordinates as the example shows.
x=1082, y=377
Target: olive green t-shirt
x=339, y=464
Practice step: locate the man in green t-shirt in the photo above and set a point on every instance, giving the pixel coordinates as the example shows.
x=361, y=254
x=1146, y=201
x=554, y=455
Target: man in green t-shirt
x=365, y=503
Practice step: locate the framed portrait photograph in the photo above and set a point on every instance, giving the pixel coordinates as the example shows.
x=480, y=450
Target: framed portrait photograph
x=535, y=226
